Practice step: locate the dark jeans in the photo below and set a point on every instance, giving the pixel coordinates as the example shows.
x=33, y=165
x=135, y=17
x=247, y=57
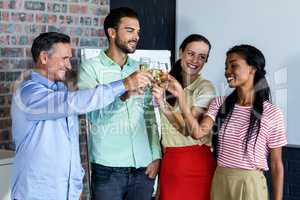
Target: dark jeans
x=120, y=183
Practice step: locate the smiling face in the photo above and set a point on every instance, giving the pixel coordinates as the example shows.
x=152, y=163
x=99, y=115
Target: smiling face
x=237, y=72
x=194, y=57
x=55, y=63
x=126, y=35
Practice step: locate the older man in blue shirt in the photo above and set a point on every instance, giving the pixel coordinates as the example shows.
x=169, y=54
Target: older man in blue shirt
x=45, y=124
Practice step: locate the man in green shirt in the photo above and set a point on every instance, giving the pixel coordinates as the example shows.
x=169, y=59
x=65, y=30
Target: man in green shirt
x=124, y=143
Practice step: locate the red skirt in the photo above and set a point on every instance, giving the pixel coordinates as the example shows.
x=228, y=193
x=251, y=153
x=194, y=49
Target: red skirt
x=186, y=173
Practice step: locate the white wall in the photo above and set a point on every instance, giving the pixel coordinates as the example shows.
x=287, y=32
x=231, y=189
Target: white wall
x=272, y=26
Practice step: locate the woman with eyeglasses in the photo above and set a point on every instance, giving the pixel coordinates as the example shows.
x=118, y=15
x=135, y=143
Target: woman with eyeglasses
x=187, y=164
x=248, y=129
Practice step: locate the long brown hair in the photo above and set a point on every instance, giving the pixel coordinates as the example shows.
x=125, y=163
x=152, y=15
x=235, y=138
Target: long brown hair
x=177, y=68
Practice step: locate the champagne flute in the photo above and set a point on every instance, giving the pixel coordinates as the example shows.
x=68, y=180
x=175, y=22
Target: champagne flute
x=155, y=71
x=144, y=63
x=159, y=73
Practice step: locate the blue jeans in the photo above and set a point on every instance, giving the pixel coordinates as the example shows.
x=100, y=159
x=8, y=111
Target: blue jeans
x=120, y=183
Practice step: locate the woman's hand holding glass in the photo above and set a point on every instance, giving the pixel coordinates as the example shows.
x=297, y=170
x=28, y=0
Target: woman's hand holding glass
x=174, y=87
x=170, y=84
x=158, y=94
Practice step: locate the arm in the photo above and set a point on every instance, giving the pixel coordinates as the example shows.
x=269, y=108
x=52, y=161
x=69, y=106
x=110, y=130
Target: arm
x=188, y=121
x=176, y=118
x=277, y=173
x=196, y=129
x=40, y=103
x=88, y=78
x=194, y=118
x=276, y=140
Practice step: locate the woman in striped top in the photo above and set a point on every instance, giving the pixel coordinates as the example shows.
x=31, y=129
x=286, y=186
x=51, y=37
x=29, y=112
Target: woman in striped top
x=247, y=129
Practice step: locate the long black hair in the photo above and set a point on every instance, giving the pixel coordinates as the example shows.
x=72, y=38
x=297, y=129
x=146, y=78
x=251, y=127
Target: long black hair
x=256, y=59
x=177, y=69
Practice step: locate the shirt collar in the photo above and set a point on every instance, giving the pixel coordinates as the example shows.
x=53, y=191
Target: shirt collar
x=53, y=85
x=195, y=84
x=107, y=61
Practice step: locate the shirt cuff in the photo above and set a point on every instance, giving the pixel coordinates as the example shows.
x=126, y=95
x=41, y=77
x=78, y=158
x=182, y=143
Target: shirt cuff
x=211, y=116
x=156, y=154
x=118, y=87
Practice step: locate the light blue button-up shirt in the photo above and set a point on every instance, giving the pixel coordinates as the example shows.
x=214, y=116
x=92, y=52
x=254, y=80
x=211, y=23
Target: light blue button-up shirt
x=45, y=131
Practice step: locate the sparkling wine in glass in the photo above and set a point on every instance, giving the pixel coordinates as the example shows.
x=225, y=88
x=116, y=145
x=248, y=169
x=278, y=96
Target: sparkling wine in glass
x=155, y=70
x=159, y=72
x=144, y=63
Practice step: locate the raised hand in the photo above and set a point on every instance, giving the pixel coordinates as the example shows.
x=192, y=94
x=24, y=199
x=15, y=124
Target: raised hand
x=164, y=78
x=138, y=80
x=158, y=93
x=174, y=86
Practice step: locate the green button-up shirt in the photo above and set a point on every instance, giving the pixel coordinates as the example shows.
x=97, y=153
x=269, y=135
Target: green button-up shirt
x=125, y=133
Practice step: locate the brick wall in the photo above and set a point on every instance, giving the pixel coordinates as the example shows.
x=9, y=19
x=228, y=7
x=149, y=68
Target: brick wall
x=21, y=21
